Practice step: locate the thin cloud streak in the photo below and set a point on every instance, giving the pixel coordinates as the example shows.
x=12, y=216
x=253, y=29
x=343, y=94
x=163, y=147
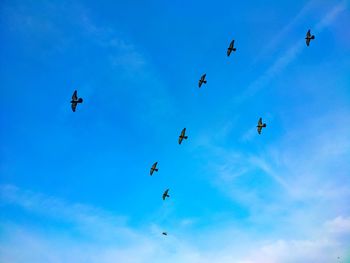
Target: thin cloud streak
x=289, y=56
x=35, y=245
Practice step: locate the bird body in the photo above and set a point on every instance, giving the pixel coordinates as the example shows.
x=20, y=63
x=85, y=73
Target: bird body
x=260, y=125
x=165, y=194
x=182, y=135
x=154, y=168
x=231, y=48
x=309, y=37
x=75, y=100
x=202, y=80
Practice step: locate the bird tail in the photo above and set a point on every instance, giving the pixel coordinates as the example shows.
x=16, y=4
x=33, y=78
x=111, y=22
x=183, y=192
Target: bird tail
x=168, y=195
x=80, y=100
x=312, y=37
x=234, y=49
x=264, y=125
x=204, y=81
x=156, y=170
x=185, y=137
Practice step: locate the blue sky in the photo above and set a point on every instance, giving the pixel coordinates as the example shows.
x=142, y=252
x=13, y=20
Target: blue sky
x=75, y=187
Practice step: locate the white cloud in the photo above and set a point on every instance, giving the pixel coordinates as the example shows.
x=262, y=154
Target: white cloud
x=22, y=243
x=339, y=225
x=293, y=178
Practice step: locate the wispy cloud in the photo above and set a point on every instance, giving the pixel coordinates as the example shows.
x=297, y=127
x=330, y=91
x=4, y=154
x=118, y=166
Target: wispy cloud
x=291, y=53
x=25, y=244
x=281, y=35
x=124, y=53
x=306, y=168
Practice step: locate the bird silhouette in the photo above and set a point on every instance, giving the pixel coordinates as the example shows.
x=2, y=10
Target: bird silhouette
x=75, y=100
x=309, y=37
x=202, y=80
x=260, y=125
x=182, y=135
x=231, y=48
x=154, y=168
x=165, y=194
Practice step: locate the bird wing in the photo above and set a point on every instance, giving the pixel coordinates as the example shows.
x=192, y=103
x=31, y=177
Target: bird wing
x=74, y=106
x=308, y=34
x=200, y=83
x=229, y=50
x=259, y=129
x=182, y=135
x=75, y=95
x=153, y=167
x=260, y=122
x=307, y=41
x=203, y=77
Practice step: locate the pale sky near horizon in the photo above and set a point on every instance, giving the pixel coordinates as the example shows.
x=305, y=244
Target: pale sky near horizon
x=75, y=187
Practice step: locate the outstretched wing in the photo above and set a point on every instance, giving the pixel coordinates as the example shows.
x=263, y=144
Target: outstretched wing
x=259, y=126
x=75, y=95
x=308, y=34
x=229, y=50
x=165, y=194
x=307, y=41
x=74, y=106
x=259, y=129
x=200, y=83
x=153, y=168
x=203, y=77
x=182, y=135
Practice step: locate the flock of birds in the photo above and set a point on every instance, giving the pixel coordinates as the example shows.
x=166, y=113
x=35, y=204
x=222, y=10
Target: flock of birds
x=75, y=101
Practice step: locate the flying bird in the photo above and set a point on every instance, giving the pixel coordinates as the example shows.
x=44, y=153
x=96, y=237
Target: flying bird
x=182, y=135
x=165, y=194
x=309, y=37
x=154, y=168
x=165, y=233
x=202, y=80
x=260, y=125
x=231, y=48
x=75, y=100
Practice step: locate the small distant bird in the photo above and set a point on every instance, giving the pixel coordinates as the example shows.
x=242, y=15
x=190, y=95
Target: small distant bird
x=231, y=48
x=165, y=194
x=75, y=100
x=165, y=233
x=309, y=37
x=202, y=80
x=154, y=168
x=182, y=135
x=260, y=125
